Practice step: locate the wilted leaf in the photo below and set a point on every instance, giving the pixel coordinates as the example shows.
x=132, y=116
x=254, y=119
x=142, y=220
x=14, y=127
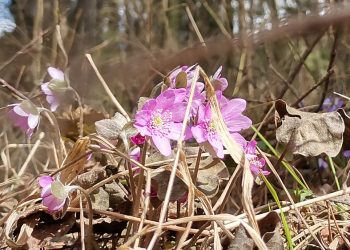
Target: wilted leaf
x=346, y=119
x=90, y=178
x=211, y=172
x=100, y=199
x=76, y=155
x=307, y=133
x=270, y=227
x=242, y=241
x=161, y=180
x=111, y=128
x=181, y=80
x=116, y=194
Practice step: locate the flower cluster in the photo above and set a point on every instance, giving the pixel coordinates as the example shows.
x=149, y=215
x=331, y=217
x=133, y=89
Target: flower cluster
x=161, y=119
x=55, y=88
x=54, y=194
x=26, y=115
x=256, y=164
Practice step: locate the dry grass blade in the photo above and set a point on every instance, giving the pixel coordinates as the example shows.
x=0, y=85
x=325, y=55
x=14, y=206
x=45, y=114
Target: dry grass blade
x=234, y=149
x=79, y=149
x=176, y=162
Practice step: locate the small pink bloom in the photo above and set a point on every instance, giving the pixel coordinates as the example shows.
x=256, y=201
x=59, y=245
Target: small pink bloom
x=25, y=115
x=54, y=194
x=55, y=88
x=205, y=132
x=256, y=164
x=161, y=120
x=219, y=83
x=138, y=139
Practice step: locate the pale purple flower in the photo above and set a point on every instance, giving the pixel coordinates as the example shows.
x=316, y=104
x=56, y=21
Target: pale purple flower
x=331, y=104
x=346, y=153
x=54, y=194
x=219, y=83
x=55, y=88
x=256, y=164
x=205, y=132
x=322, y=164
x=161, y=120
x=25, y=115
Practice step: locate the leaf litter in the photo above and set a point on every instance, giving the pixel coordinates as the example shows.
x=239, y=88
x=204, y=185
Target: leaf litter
x=101, y=164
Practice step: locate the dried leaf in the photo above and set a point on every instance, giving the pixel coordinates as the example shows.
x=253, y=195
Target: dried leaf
x=181, y=80
x=111, y=128
x=270, y=227
x=100, y=199
x=210, y=174
x=346, y=119
x=77, y=160
x=242, y=241
x=307, y=133
x=161, y=179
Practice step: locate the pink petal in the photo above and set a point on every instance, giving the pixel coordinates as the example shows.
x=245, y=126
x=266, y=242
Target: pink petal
x=56, y=73
x=45, y=88
x=45, y=180
x=54, y=106
x=234, y=106
x=239, y=139
x=46, y=191
x=19, y=111
x=162, y=144
x=199, y=133
x=175, y=131
x=216, y=143
x=52, y=203
x=33, y=121
x=238, y=123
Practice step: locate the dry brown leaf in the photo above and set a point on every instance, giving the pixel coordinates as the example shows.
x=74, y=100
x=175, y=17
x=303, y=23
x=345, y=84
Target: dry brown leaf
x=77, y=160
x=307, y=133
x=242, y=240
x=270, y=227
x=211, y=173
x=161, y=180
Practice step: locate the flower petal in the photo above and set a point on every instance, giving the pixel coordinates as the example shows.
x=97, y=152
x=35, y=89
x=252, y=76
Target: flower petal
x=45, y=180
x=216, y=143
x=56, y=73
x=199, y=133
x=162, y=144
x=19, y=111
x=33, y=121
x=53, y=204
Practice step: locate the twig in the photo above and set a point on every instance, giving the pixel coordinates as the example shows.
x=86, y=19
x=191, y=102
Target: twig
x=176, y=162
x=107, y=89
x=31, y=153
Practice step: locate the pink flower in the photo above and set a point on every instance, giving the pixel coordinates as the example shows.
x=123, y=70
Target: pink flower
x=55, y=88
x=189, y=70
x=138, y=139
x=54, y=194
x=256, y=164
x=25, y=115
x=161, y=120
x=205, y=132
x=219, y=83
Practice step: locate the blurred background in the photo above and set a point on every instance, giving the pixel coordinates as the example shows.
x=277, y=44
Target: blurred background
x=263, y=45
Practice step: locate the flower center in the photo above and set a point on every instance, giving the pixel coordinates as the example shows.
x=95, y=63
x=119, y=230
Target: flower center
x=161, y=122
x=157, y=121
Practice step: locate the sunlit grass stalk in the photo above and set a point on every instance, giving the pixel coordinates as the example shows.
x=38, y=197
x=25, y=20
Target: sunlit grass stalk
x=283, y=218
x=286, y=165
x=331, y=164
